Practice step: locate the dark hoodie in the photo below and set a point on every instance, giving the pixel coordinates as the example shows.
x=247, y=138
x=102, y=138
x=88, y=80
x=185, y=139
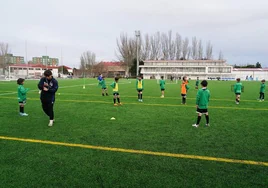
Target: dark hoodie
x=48, y=96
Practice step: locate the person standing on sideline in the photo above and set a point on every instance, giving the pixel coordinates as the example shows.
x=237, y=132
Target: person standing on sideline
x=237, y=90
x=262, y=90
x=139, y=87
x=22, y=96
x=48, y=86
x=162, y=86
x=202, y=99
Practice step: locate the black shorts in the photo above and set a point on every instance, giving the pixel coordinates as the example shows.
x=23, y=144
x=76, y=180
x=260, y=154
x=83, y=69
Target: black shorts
x=202, y=111
x=183, y=95
x=104, y=88
x=115, y=93
x=162, y=89
x=139, y=90
x=22, y=102
x=237, y=93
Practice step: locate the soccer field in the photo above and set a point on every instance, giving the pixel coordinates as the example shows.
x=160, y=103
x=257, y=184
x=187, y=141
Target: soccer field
x=149, y=144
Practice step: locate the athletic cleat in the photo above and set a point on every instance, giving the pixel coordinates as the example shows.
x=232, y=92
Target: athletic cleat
x=23, y=114
x=115, y=104
x=120, y=104
x=162, y=96
x=207, y=125
x=194, y=125
x=50, y=124
x=141, y=100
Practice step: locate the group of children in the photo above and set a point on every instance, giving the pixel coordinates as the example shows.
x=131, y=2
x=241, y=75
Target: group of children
x=202, y=97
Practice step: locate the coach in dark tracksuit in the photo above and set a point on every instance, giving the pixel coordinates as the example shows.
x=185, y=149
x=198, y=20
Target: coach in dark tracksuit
x=48, y=86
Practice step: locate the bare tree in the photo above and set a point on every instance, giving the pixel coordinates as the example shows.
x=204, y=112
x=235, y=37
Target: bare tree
x=165, y=46
x=126, y=50
x=185, y=48
x=189, y=53
x=145, y=47
x=87, y=61
x=155, y=46
x=171, y=46
x=209, y=49
x=4, y=50
x=200, y=50
x=178, y=43
x=221, y=55
x=194, y=49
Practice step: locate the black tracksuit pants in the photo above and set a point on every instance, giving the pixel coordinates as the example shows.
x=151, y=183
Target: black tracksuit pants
x=48, y=108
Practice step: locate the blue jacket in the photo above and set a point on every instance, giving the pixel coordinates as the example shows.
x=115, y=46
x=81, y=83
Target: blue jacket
x=48, y=96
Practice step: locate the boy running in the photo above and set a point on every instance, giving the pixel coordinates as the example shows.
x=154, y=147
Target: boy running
x=102, y=83
x=162, y=86
x=237, y=90
x=262, y=90
x=139, y=87
x=184, y=89
x=202, y=99
x=22, y=96
x=114, y=85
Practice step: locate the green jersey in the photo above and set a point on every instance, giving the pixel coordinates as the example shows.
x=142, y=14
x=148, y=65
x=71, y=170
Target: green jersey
x=139, y=85
x=262, y=90
x=162, y=84
x=102, y=83
x=197, y=82
x=22, y=93
x=202, y=98
x=238, y=87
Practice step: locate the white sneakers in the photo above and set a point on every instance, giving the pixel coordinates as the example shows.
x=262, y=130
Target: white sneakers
x=194, y=125
x=140, y=100
x=23, y=114
x=50, y=123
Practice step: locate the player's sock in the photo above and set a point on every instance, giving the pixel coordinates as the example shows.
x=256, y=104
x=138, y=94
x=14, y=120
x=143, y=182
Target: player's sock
x=138, y=96
x=114, y=101
x=102, y=94
x=118, y=100
x=141, y=96
x=207, y=119
x=21, y=109
x=198, y=120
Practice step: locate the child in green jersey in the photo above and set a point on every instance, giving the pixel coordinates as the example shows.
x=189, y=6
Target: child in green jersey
x=262, y=90
x=197, y=83
x=237, y=90
x=202, y=99
x=102, y=83
x=162, y=86
x=115, y=87
x=22, y=96
x=139, y=87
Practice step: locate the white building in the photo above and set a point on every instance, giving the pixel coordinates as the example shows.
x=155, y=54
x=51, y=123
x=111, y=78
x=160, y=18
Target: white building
x=251, y=73
x=203, y=69
x=29, y=71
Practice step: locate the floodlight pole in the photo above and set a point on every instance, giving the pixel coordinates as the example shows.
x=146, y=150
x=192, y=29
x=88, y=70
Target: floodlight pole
x=137, y=33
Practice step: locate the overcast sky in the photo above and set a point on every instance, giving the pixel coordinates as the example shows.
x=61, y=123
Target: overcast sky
x=237, y=27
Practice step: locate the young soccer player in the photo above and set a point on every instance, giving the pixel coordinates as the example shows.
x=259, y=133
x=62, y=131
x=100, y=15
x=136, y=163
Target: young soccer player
x=115, y=87
x=184, y=89
x=139, y=87
x=22, y=96
x=202, y=99
x=102, y=83
x=162, y=86
x=262, y=90
x=197, y=83
x=237, y=90
x=49, y=86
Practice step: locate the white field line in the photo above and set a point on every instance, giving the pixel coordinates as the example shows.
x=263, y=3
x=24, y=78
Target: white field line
x=63, y=87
